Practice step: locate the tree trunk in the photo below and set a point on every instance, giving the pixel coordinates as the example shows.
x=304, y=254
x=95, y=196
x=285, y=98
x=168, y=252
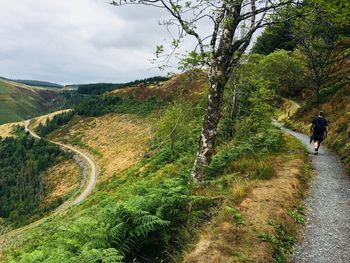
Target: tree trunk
x=217, y=82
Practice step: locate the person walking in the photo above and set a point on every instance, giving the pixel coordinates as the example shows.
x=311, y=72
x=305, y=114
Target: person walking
x=319, y=130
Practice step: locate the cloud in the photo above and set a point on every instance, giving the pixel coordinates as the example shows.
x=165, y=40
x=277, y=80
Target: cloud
x=78, y=41
x=81, y=41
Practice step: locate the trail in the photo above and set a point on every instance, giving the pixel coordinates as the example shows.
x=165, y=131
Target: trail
x=88, y=187
x=91, y=178
x=327, y=232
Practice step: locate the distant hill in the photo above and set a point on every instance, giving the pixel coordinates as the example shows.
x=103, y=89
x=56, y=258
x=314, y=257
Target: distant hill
x=100, y=88
x=37, y=83
x=18, y=102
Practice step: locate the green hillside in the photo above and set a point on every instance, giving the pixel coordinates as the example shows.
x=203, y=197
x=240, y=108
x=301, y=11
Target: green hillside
x=22, y=102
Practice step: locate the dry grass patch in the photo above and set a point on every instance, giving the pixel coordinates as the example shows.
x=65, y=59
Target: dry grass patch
x=190, y=86
x=259, y=202
x=61, y=179
x=6, y=129
x=116, y=140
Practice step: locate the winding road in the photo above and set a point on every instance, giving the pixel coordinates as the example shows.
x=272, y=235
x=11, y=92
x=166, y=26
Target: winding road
x=87, y=188
x=327, y=232
x=91, y=179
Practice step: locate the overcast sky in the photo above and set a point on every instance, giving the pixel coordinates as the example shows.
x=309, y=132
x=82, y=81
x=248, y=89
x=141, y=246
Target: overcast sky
x=81, y=41
x=78, y=41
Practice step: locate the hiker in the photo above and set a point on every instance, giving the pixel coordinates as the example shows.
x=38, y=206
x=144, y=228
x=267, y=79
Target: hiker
x=319, y=129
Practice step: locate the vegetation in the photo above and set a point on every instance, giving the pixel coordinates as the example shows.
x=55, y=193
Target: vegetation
x=57, y=121
x=38, y=83
x=19, y=103
x=100, y=88
x=236, y=218
x=22, y=162
x=154, y=203
x=100, y=105
x=319, y=37
x=276, y=36
x=282, y=243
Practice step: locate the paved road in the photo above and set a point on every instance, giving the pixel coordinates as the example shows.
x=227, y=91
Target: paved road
x=327, y=233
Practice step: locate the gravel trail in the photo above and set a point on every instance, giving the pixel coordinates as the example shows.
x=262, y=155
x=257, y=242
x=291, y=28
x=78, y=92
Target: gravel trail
x=91, y=179
x=326, y=237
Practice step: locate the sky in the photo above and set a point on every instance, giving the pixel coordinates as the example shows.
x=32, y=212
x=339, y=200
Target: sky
x=80, y=41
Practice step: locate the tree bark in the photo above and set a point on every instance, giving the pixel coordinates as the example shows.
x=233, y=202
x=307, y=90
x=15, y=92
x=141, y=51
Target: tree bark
x=217, y=82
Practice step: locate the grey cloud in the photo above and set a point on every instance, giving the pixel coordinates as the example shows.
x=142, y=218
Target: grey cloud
x=78, y=41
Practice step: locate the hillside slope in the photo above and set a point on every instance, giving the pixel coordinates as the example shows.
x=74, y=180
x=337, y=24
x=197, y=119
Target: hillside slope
x=18, y=102
x=143, y=198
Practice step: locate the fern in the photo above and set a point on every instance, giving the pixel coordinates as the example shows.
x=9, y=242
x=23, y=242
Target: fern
x=109, y=255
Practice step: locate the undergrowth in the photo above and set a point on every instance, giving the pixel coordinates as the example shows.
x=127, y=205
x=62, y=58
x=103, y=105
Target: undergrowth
x=282, y=243
x=152, y=210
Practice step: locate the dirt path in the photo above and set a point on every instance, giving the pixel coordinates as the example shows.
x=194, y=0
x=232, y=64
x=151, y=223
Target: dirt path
x=327, y=233
x=91, y=179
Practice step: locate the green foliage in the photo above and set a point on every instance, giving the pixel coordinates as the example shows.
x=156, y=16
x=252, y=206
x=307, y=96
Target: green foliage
x=298, y=214
x=194, y=60
x=236, y=218
x=51, y=125
x=285, y=72
x=178, y=126
x=149, y=215
x=254, y=134
x=282, y=243
x=274, y=37
x=319, y=39
x=282, y=72
x=226, y=156
x=342, y=127
x=100, y=105
x=100, y=88
x=338, y=10
x=269, y=141
x=78, y=142
x=328, y=91
x=265, y=173
x=22, y=161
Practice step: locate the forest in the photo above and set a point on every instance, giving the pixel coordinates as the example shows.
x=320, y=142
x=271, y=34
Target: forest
x=22, y=163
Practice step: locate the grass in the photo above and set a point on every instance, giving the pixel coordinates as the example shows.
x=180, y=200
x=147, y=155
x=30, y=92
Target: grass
x=256, y=186
x=282, y=242
x=262, y=190
x=79, y=143
x=21, y=103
